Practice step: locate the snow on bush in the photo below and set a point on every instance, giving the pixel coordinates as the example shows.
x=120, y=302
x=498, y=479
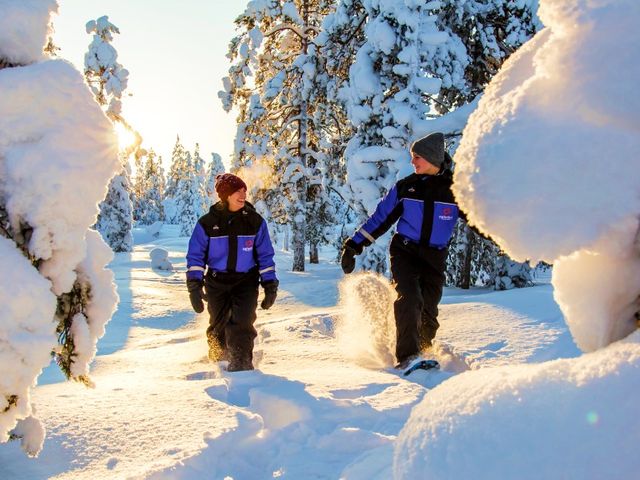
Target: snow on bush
x=27, y=333
x=548, y=167
x=57, y=149
x=91, y=325
x=57, y=154
x=31, y=434
x=22, y=36
x=548, y=164
x=366, y=330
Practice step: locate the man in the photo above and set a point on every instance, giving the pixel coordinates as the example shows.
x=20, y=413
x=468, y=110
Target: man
x=231, y=243
x=425, y=209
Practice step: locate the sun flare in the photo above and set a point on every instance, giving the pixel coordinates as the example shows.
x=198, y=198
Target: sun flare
x=126, y=137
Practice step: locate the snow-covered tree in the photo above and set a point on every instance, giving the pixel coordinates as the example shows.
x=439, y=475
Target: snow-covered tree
x=176, y=169
x=490, y=31
x=201, y=178
x=473, y=264
x=151, y=179
x=58, y=289
x=108, y=80
x=115, y=219
x=215, y=168
x=198, y=161
x=509, y=274
x=276, y=125
x=384, y=96
x=189, y=198
x=105, y=76
x=138, y=184
x=341, y=36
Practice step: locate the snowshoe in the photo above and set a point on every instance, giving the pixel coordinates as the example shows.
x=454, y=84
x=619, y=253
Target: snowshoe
x=420, y=364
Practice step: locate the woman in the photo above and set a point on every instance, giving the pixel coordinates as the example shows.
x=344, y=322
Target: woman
x=231, y=245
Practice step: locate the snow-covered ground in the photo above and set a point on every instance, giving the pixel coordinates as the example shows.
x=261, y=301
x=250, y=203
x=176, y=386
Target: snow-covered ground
x=160, y=409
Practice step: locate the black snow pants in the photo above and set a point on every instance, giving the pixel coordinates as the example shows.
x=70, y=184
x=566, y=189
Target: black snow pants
x=232, y=303
x=418, y=276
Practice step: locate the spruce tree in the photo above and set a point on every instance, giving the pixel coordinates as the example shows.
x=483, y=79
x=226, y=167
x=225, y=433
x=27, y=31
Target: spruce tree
x=108, y=80
x=139, y=183
x=201, y=178
x=176, y=173
x=116, y=215
x=176, y=169
x=152, y=181
x=188, y=198
x=55, y=285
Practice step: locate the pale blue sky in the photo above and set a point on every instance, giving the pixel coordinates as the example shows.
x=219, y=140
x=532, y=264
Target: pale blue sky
x=175, y=53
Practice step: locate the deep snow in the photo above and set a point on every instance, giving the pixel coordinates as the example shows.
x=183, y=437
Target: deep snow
x=161, y=410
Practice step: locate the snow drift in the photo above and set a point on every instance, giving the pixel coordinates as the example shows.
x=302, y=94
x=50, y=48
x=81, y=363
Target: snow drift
x=560, y=419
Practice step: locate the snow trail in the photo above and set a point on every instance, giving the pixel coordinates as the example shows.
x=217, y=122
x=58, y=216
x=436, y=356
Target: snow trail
x=162, y=410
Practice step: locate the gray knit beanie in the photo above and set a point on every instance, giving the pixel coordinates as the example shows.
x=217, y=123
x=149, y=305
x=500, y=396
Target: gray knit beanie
x=431, y=148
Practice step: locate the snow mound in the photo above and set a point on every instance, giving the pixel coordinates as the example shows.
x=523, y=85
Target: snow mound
x=366, y=330
x=548, y=162
x=560, y=419
x=160, y=259
x=552, y=125
x=154, y=229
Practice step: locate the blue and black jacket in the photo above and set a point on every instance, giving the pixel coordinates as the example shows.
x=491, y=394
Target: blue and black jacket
x=423, y=206
x=236, y=242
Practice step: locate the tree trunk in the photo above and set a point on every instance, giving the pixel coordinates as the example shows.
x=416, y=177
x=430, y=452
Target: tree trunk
x=313, y=253
x=298, y=246
x=286, y=246
x=465, y=274
x=299, y=216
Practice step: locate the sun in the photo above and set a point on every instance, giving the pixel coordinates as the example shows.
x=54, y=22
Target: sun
x=126, y=137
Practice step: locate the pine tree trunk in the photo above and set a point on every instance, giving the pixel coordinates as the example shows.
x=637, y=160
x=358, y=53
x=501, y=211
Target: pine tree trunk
x=465, y=274
x=299, y=223
x=298, y=246
x=286, y=246
x=313, y=253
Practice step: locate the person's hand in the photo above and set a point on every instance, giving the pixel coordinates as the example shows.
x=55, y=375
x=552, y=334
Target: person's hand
x=196, y=294
x=270, y=294
x=348, y=259
x=349, y=252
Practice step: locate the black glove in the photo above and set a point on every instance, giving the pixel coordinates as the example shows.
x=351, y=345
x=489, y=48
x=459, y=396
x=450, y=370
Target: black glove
x=196, y=294
x=349, y=252
x=270, y=294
